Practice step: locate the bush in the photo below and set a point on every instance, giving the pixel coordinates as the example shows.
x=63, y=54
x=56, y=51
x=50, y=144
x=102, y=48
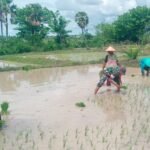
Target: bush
x=23, y=47
x=50, y=45
x=4, y=111
x=4, y=107
x=132, y=53
x=145, y=38
x=2, y=122
x=80, y=104
x=14, y=45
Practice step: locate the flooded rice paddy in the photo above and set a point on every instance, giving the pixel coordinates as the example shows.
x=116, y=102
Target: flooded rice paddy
x=43, y=114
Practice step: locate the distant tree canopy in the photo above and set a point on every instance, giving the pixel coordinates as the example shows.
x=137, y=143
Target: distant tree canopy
x=35, y=23
x=129, y=26
x=31, y=21
x=58, y=26
x=41, y=29
x=81, y=18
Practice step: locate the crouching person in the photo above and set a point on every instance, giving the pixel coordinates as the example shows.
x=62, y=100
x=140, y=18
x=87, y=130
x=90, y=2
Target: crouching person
x=145, y=66
x=111, y=64
x=113, y=76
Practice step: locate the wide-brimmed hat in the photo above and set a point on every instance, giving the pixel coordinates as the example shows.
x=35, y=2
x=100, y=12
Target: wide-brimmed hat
x=110, y=49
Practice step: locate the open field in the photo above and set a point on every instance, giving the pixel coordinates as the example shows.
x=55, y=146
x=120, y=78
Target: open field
x=63, y=58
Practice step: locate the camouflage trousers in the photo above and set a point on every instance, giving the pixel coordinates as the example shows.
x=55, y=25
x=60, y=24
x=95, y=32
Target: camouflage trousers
x=107, y=73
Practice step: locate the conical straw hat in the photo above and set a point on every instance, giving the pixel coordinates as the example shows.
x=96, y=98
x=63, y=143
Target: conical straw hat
x=110, y=49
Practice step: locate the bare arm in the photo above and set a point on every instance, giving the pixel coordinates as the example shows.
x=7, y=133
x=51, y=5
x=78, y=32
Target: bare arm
x=104, y=65
x=105, y=61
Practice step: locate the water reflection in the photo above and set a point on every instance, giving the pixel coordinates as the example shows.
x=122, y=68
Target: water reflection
x=11, y=81
x=112, y=105
x=5, y=64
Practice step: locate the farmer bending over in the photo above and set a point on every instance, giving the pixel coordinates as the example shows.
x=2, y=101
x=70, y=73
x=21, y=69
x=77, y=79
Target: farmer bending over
x=145, y=66
x=111, y=70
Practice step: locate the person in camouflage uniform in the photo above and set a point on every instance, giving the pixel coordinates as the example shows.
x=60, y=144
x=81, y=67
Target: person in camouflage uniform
x=111, y=71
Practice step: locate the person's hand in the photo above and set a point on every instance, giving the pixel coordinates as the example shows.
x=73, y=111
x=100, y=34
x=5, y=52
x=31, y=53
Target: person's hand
x=112, y=76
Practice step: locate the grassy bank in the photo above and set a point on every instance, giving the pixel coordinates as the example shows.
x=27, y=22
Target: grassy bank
x=63, y=58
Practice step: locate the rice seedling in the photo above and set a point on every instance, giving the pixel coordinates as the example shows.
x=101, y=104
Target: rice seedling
x=132, y=75
x=2, y=122
x=76, y=133
x=64, y=141
x=81, y=146
x=80, y=104
x=124, y=87
x=4, y=108
x=86, y=130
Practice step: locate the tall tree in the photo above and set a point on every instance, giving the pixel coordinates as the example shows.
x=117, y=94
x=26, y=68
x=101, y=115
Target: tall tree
x=105, y=32
x=58, y=26
x=8, y=9
x=32, y=21
x=131, y=25
x=1, y=16
x=81, y=18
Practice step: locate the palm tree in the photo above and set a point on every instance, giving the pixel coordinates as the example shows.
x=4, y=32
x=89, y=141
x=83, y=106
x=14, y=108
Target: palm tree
x=82, y=20
x=1, y=16
x=8, y=8
x=32, y=22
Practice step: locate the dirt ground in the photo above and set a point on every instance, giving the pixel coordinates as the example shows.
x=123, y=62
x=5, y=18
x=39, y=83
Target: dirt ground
x=43, y=114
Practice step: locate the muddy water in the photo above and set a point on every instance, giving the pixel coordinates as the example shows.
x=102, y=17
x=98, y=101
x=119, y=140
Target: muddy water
x=4, y=64
x=46, y=98
x=49, y=96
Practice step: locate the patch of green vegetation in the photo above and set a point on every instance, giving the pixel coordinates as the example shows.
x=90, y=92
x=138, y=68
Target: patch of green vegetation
x=4, y=111
x=4, y=107
x=80, y=104
x=124, y=87
x=133, y=52
x=70, y=57
x=2, y=122
x=27, y=68
x=133, y=75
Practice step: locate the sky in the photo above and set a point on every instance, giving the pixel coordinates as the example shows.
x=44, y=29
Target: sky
x=98, y=11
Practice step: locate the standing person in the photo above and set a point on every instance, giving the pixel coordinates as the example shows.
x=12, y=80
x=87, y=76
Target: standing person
x=145, y=66
x=111, y=67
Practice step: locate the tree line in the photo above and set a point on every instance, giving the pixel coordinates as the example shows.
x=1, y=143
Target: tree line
x=42, y=29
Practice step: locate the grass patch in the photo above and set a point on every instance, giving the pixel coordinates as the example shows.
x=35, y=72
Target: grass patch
x=124, y=87
x=2, y=122
x=72, y=57
x=133, y=75
x=4, y=108
x=132, y=53
x=28, y=67
x=80, y=104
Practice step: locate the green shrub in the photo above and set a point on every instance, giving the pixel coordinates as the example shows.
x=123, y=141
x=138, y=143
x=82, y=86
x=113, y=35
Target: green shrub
x=27, y=68
x=2, y=122
x=14, y=45
x=4, y=107
x=49, y=46
x=132, y=53
x=124, y=87
x=80, y=104
x=145, y=38
x=23, y=47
